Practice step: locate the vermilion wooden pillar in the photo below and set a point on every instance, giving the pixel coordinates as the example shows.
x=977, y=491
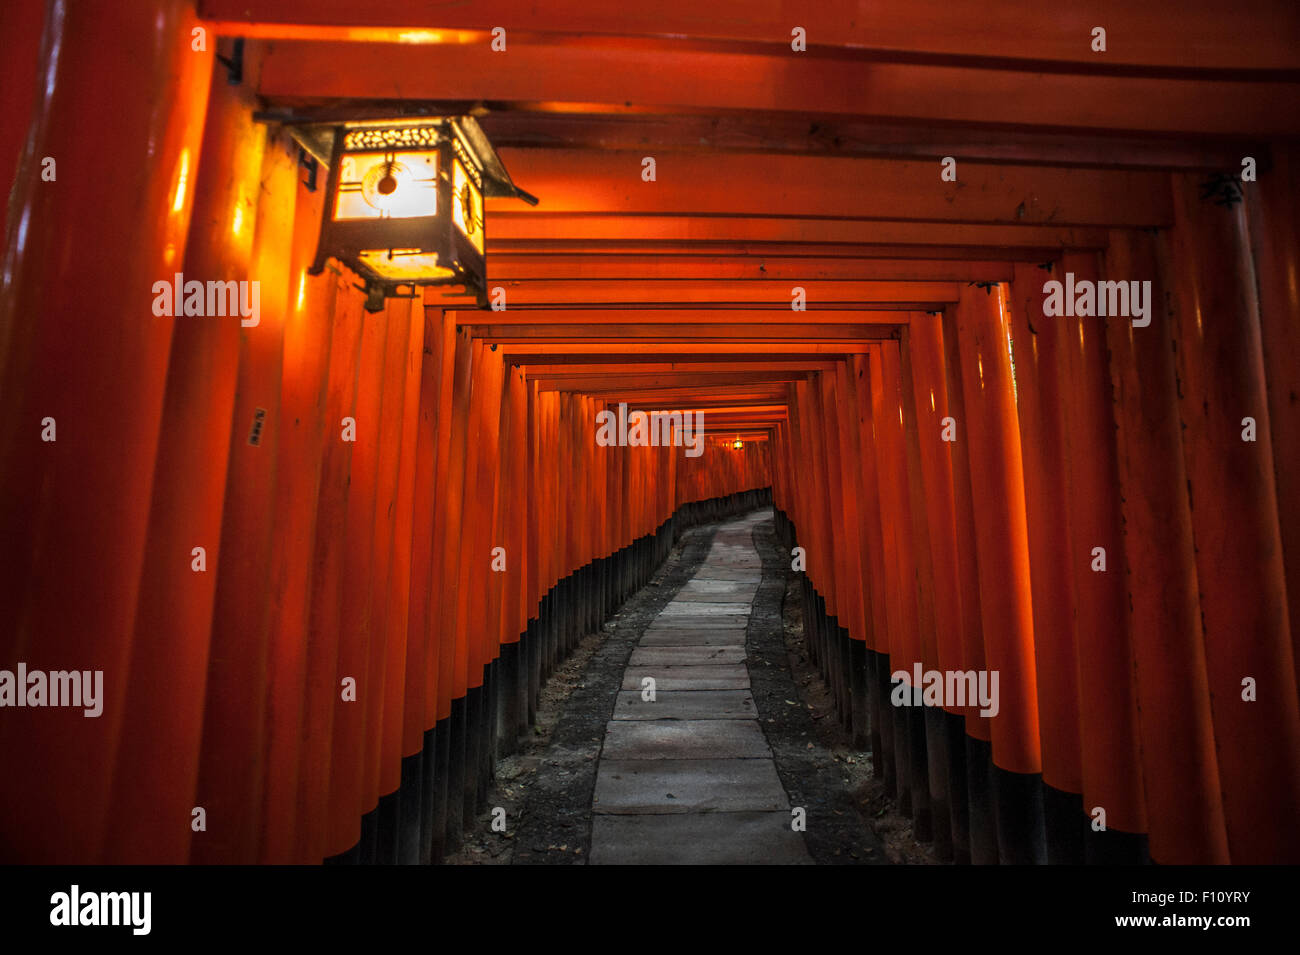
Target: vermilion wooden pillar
x=1273, y=211
x=304, y=390
x=397, y=597
x=322, y=693
x=441, y=631
x=347, y=749
x=1039, y=341
x=393, y=386
x=1235, y=525
x=232, y=762
x=22, y=26
x=1179, y=766
x=173, y=621
x=1112, y=777
x=934, y=439
x=303, y=429
x=882, y=727
x=1002, y=542
x=916, y=531
x=900, y=566
x=74, y=511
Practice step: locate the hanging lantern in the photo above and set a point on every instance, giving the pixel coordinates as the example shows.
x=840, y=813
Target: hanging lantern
x=404, y=205
x=738, y=444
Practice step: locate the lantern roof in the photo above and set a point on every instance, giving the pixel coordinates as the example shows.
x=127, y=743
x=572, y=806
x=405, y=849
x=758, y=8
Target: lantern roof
x=317, y=138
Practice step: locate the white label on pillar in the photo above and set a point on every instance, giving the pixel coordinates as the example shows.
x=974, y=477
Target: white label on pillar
x=949, y=430
x=349, y=429
x=200, y=562
x=1099, y=560
x=498, y=560
x=349, y=690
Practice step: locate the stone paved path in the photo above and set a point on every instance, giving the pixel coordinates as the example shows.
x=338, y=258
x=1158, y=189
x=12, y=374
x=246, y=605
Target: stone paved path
x=689, y=776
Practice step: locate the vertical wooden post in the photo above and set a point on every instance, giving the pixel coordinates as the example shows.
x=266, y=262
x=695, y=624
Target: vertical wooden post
x=232, y=762
x=997, y=487
x=74, y=510
x=1039, y=341
x=1235, y=522
x=1273, y=212
x=1179, y=765
x=1112, y=778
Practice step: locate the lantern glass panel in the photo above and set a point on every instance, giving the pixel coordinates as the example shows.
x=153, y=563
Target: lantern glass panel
x=405, y=265
x=467, y=206
x=395, y=185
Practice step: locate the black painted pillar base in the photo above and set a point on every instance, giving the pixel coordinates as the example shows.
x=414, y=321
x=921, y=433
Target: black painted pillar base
x=507, y=724
x=1114, y=847
x=918, y=761
x=885, y=762
x=473, y=740
x=1064, y=824
x=938, y=761
x=453, y=836
x=369, y=837
x=411, y=803
x=1018, y=801
x=902, y=751
x=958, y=792
x=429, y=831
x=440, y=825
x=857, y=666
x=979, y=793
x=386, y=828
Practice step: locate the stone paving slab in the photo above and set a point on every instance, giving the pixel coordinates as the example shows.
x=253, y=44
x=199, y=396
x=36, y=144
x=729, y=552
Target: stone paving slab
x=714, y=598
x=697, y=586
x=699, y=623
x=684, y=739
x=686, y=705
x=690, y=608
x=689, y=678
x=685, y=656
x=693, y=638
x=715, y=838
x=687, y=785
x=690, y=778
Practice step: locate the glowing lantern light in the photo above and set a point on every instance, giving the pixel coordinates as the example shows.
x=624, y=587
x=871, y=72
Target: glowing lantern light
x=404, y=205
